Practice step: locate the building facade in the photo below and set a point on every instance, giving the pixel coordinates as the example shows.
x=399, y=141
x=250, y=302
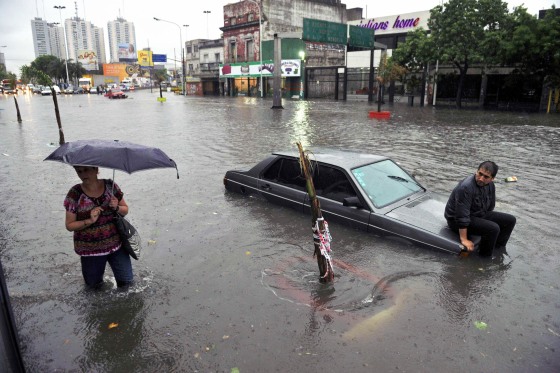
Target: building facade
x=244, y=22
x=120, y=31
x=41, y=37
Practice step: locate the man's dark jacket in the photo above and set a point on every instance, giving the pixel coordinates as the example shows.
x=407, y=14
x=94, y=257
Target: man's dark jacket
x=468, y=199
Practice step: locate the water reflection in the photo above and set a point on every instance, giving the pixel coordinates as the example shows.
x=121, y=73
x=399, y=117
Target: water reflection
x=113, y=332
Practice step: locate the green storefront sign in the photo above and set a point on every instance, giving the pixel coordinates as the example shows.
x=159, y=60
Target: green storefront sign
x=361, y=37
x=324, y=32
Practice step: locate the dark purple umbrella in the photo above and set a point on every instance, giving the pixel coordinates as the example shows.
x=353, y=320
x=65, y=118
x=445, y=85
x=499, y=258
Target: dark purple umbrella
x=115, y=154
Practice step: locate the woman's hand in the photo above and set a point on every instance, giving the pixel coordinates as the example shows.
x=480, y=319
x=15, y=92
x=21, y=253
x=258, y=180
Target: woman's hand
x=113, y=203
x=94, y=213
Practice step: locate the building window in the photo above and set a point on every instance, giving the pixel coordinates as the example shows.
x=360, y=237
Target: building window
x=217, y=58
x=189, y=49
x=233, y=21
x=250, y=17
x=205, y=58
x=191, y=67
x=250, y=50
x=195, y=48
x=232, y=52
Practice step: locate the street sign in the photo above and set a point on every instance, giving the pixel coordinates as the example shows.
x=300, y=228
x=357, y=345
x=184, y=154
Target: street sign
x=159, y=57
x=324, y=31
x=361, y=37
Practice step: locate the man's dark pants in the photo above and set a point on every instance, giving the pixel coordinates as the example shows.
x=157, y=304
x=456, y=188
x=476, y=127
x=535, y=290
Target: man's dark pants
x=494, y=228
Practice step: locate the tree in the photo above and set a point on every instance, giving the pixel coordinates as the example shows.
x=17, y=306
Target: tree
x=44, y=79
x=389, y=71
x=159, y=76
x=534, y=45
x=55, y=68
x=460, y=32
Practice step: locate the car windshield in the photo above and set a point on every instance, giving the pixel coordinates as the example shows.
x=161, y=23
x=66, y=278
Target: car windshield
x=385, y=182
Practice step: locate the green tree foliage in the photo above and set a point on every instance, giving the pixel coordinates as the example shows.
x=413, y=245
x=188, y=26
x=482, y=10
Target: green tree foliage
x=467, y=32
x=416, y=52
x=56, y=68
x=159, y=76
x=534, y=45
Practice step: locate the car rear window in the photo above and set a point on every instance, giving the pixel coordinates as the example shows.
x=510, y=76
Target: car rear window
x=287, y=172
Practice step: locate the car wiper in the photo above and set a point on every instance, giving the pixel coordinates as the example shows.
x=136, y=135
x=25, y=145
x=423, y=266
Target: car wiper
x=400, y=178
x=394, y=177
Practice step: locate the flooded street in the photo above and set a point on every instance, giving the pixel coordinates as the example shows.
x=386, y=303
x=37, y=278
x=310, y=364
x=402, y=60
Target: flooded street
x=227, y=281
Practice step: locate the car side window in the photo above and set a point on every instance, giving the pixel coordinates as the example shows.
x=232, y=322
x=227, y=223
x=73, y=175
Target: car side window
x=287, y=172
x=332, y=183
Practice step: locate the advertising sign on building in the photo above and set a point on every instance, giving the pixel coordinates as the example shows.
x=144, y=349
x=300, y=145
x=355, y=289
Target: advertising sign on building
x=127, y=52
x=290, y=68
x=88, y=59
x=397, y=24
x=145, y=58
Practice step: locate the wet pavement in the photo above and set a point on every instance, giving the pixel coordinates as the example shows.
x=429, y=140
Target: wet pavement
x=229, y=282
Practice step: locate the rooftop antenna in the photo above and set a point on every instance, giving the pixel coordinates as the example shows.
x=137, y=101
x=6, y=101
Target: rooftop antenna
x=76, y=6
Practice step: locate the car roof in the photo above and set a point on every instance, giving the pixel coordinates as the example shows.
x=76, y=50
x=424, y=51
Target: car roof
x=342, y=158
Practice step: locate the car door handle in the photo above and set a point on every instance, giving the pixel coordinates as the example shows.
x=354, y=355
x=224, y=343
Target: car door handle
x=265, y=187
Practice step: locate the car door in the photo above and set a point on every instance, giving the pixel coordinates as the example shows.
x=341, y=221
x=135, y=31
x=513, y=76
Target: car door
x=283, y=183
x=333, y=186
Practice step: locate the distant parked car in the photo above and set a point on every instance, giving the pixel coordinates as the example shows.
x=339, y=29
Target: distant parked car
x=47, y=90
x=37, y=89
x=368, y=192
x=93, y=90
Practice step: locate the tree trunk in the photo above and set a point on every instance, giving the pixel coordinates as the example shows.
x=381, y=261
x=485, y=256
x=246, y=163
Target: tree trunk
x=483, y=85
x=57, y=113
x=17, y=110
x=462, y=75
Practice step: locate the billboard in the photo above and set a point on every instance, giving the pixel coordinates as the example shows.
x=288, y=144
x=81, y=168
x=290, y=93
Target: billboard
x=290, y=68
x=127, y=52
x=88, y=59
x=145, y=58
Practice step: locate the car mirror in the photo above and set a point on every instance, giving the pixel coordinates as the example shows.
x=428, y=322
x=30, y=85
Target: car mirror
x=352, y=202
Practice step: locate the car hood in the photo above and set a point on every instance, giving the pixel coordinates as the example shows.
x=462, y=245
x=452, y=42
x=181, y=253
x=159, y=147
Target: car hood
x=425, y=212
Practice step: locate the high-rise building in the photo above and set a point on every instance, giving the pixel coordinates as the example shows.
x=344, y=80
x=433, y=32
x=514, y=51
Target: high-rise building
x=79, y=36
x=41, y=37
x=57, y=41
x=99, y=42
x=120, y=32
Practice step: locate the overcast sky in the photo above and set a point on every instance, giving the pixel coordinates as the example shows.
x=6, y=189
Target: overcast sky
x=16, y=40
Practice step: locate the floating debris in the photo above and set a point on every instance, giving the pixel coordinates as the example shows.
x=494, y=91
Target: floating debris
x=481, y=325
x=510, y=179
x=113, y=325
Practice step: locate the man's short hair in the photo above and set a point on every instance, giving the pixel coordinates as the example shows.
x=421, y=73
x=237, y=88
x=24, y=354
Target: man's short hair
x=490, y=167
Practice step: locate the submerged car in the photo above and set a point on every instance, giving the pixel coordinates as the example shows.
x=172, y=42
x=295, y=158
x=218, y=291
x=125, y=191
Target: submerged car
x=365, y=191
x=115, y=93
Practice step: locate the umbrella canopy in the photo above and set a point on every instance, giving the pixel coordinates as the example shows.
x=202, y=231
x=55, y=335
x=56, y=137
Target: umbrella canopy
x=115, y=154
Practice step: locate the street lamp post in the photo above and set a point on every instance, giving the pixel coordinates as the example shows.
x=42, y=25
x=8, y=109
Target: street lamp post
x=60, y=7
x=184, y=64
x=182, y=59
x=260, y=44
x=207, y=12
